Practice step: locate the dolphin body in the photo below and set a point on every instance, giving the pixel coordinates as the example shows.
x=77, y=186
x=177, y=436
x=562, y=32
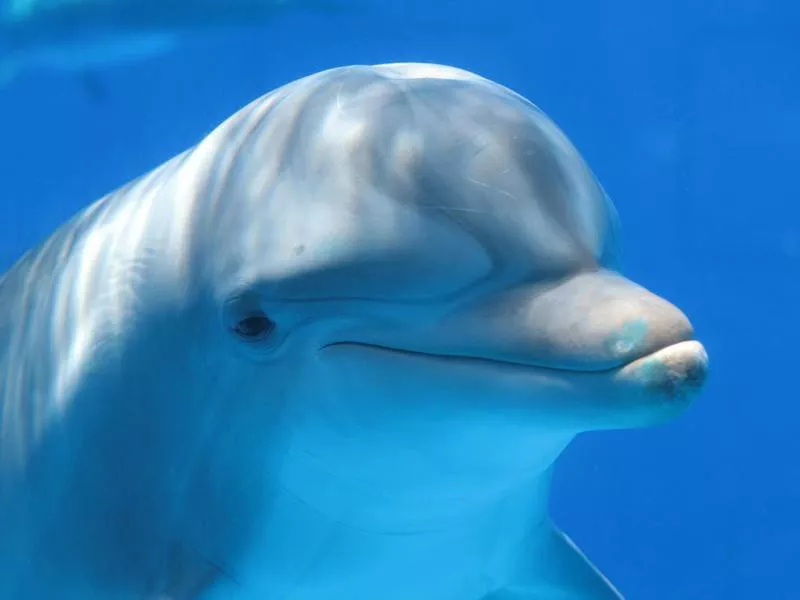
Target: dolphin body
x=85, y=36
x=332, y=351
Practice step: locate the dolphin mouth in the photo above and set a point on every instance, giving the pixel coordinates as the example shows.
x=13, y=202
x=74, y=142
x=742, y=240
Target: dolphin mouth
x=677, y=370
x=670, y=349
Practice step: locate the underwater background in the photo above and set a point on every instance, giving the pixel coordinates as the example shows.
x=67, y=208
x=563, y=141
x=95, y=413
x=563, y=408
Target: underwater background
x=689, y=114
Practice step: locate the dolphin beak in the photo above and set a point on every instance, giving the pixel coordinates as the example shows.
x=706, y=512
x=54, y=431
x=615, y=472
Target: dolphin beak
x=592, y=321
x=591, y=351
x=600, y=331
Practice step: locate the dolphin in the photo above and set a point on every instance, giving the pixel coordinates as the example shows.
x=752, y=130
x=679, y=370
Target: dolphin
x=334, y=350
x=84, y=37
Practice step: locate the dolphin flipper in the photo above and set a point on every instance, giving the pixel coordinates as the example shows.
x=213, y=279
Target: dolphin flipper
x=561, y=572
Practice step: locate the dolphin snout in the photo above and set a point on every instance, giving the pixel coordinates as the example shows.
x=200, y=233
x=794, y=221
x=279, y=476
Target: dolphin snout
x=677, y=371
x=620, y=320
x=592, y=321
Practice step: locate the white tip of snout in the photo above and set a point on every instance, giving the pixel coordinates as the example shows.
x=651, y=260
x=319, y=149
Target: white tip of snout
x=678, y=371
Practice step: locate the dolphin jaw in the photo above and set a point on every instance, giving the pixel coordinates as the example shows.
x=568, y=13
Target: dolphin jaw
x=675, y=372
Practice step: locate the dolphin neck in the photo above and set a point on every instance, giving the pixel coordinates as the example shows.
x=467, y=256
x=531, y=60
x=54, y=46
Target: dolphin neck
x=305, y=549
x=357, y=505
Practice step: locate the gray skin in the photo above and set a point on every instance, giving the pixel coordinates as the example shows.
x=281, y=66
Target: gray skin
x=83, y=37
x=332, y=351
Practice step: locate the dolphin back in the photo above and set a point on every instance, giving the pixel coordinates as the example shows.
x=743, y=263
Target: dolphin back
x=73, y=15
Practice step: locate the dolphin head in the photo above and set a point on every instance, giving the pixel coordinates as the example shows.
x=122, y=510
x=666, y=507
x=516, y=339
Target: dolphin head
x=431, y=261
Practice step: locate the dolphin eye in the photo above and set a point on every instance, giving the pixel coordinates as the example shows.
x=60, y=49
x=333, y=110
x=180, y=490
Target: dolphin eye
x=254, y=328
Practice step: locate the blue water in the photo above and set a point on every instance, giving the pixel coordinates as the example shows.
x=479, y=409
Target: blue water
x=688, y=112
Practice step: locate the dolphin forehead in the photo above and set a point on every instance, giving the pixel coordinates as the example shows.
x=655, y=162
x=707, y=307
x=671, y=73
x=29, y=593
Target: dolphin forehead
x=422, y=167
